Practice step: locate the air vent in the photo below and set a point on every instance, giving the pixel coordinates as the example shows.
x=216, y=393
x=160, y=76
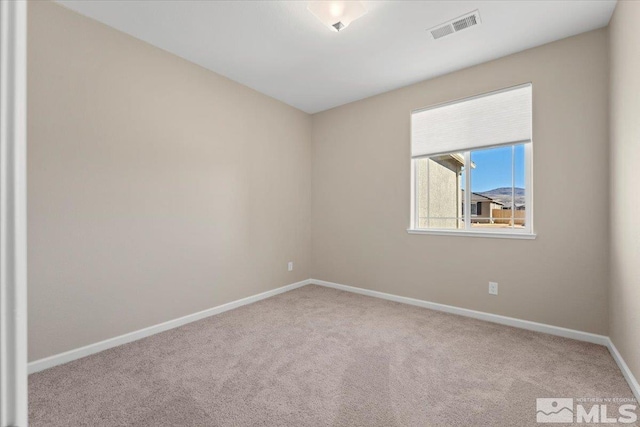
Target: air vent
x=442, y=31
x=461, y=23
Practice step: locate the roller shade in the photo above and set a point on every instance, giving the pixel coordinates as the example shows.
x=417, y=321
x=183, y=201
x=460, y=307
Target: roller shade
x=496, y=118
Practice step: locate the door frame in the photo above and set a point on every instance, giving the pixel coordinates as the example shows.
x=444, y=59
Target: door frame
x=13, y=213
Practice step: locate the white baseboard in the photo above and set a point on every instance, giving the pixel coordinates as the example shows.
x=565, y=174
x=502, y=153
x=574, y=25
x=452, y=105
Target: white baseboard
x=495, y=318
x=71, y=355
x=628, y=375
x=68, y=356
x=503, y=320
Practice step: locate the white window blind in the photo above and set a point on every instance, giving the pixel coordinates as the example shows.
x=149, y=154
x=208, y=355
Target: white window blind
x=495, y=118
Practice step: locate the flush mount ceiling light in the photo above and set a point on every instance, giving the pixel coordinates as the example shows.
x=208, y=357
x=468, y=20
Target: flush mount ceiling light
x=337, y=15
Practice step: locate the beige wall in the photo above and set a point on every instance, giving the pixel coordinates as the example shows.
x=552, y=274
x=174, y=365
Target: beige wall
x=361, y=168
x=156, y=188
x=624, y=307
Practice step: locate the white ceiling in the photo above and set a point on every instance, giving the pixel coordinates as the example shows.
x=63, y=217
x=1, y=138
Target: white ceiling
x=280, y=49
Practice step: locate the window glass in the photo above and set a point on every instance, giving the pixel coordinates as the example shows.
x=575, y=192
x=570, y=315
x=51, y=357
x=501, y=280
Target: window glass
x=494, y=186
x=497, y=178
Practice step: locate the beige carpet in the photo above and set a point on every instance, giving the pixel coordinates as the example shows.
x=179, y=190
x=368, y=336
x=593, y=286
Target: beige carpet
x=321, y=357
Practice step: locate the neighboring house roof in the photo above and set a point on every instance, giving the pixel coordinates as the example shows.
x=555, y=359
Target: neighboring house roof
x=460, y=159
x=456, y=157
x=476, y=197
x=518, y=205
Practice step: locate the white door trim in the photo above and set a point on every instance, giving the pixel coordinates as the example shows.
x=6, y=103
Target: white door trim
x=13, y=214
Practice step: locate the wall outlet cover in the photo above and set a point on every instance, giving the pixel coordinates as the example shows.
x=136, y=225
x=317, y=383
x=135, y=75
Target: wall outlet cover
x=493, y=288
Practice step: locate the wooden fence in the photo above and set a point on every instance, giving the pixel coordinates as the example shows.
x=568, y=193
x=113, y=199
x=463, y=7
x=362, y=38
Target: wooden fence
x=503, y=216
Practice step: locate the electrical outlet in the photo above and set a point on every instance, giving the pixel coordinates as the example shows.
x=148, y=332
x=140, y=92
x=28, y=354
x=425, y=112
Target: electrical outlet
x=493, y=288
x=290, y=266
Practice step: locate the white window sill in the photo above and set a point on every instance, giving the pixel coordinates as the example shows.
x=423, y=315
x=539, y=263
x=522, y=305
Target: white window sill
x=467, y=233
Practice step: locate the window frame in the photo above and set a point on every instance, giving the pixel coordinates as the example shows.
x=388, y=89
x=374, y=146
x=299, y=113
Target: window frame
x=526, y=233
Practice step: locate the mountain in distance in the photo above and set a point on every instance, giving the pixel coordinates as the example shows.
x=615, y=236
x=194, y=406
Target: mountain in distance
x=503, y=195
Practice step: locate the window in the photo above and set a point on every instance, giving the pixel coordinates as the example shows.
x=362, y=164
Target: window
x=474, y=153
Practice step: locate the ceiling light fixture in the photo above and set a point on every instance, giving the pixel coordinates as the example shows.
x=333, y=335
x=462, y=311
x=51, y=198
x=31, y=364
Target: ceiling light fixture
x=337, y=15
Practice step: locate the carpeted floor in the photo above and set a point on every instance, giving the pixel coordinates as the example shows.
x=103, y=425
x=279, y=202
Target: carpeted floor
x=320, y=357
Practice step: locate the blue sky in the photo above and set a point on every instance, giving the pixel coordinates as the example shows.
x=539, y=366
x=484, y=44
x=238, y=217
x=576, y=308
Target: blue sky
x=493, y=168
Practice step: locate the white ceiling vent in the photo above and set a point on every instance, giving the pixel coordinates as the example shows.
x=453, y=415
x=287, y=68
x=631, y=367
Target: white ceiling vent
x=461, y=23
